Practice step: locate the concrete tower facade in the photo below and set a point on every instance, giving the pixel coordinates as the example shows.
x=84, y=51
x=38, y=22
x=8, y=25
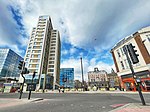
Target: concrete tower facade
x=43, y=54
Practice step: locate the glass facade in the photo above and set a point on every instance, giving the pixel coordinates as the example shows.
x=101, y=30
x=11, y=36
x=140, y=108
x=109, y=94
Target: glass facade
x=9, y=62
x=67, y=77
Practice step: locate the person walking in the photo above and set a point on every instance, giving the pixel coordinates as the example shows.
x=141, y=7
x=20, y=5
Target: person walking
x=3, y=89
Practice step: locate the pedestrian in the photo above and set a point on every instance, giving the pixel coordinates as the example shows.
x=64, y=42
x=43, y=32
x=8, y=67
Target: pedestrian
x=63, y=90
x=3, y=89
x=59, y=90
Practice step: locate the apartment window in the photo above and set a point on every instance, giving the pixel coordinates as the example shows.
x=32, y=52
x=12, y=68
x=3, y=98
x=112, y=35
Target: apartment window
x=53, y=38
x=53, y=44
x=121, y=49
x=53, y=35
x=126, y=63
x=35, y=56
x=35, y=60
x=50, y=70
x=27, y=59
x=29, y=51
x=51, y=66
x=53, y=41
x=122, y=65
x=38, y=39
x=52, y=54
x=33, y=65
x=36, y=51
x=33, y=70
x=52, y=47
x=37, y=47
x=37, y=43
x=118, y=53
x=29, y=47
x=52, y=51
x=30, y=44
x=52, y=58
x=27, y=55
x=51, y=62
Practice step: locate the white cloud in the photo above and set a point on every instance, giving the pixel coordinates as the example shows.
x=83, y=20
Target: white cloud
x=64, y=52
x=92, y=25
x=100, y=20
x=72, y=50
x=88, y=65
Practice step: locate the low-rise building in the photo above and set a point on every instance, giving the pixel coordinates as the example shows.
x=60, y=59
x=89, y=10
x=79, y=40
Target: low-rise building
x=97, y=78
x=113, y=80
x=141, y=41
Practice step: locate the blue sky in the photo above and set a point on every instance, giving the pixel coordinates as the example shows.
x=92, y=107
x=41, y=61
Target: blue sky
x=88, y=28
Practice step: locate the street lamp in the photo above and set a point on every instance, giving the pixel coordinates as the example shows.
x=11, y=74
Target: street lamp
x=82, y=74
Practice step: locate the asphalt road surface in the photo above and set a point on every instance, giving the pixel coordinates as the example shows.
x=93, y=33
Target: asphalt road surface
x=77, y=102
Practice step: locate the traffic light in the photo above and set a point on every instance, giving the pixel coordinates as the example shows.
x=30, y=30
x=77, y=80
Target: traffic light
x=25, y=71
x=132, y=53
x=21, y=64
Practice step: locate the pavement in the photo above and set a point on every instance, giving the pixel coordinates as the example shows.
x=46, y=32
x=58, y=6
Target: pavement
x=8, y=102
x=133, y=107
x=129, y=107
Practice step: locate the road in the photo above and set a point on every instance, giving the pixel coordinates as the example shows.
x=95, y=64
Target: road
x=73, y=102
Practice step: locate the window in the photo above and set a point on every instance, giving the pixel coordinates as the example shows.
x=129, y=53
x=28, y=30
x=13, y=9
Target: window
x=121, y=49
x=118, y=53
x=37, y=47
x=52, y=58
x=50, y=70
x=28, y=51
x=35, y=56
x=52, y=54
x=36, y=51
x=34, y=60
x=53, y=44
x=38, y=39
x=51, y=62
x=27, y=59
x=122, y=65
x=29, y=47
x=52, y=47
x=37, y=43
x=126, y=63
x=52, y=51
x=27, y=55
x=53, y=38
x=51, y=66
x=53, y=41
x=33, y=65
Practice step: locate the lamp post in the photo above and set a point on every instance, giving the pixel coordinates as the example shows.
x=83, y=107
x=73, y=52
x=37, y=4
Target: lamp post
x=82, y=74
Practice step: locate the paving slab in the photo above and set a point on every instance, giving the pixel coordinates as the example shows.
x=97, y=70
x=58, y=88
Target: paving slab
x=133, y=107
x=8, y=102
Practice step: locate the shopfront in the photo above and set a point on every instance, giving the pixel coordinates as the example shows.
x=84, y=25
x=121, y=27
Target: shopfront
x=128, y=82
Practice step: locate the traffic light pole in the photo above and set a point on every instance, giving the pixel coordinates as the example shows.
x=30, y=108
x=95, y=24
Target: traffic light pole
x=30, y=89
x=133, y=74
x=21, y=90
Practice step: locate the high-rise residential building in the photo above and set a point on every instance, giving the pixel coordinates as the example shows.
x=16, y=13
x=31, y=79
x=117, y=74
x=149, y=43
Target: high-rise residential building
x=67, y=77
x=97, y=78
x=141, y=41
x=43, y=54
x=9, y=61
